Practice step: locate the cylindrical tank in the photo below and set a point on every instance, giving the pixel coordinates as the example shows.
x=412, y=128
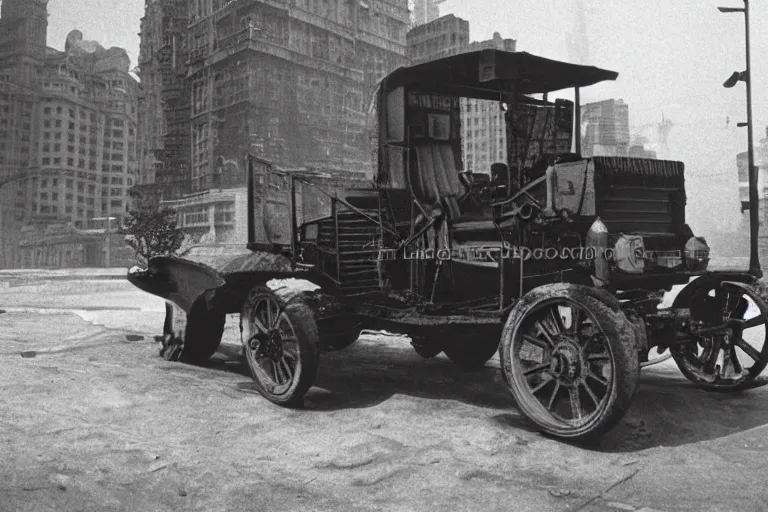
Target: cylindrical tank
x=597, y=241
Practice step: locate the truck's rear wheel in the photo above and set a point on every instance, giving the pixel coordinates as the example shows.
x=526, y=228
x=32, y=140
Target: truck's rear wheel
x=192, y=338
x=280, y=342
x=570, y=361
x=471, y=352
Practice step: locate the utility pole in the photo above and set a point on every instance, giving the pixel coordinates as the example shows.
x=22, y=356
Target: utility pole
x=745, y=76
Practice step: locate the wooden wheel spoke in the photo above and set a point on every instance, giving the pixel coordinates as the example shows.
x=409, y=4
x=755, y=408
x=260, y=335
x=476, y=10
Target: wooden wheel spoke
x=543, y=344
x=539, y=368
x=543, y=330
x=733, y=359
x=577, y=318
x=748, y=349
x=598, y=357
x=599, y=378
x=575, y=399
x=591, y=394
x=258, y=324
x=754, y=322
x=276, y=372
x=557, y=319
x=554, y=395
x=291, y=353
x=286, y=368
x=540, y=386
x=274, y=312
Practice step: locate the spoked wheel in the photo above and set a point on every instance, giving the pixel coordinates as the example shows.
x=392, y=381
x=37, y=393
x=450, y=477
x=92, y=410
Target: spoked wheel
x=280, y=345
x=729, y=346
x=569, y=361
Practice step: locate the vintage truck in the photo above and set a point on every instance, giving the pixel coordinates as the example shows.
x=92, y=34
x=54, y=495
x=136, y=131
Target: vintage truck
x=556, y=262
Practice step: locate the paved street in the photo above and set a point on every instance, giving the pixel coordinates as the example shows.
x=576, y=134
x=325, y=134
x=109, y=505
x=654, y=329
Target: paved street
x=93, y=420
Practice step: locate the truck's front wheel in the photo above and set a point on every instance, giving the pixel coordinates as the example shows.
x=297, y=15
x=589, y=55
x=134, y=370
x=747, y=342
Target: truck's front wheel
x=280, y=341
x=569, y=360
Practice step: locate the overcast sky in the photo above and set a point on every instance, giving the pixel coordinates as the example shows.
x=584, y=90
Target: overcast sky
x=672, y=57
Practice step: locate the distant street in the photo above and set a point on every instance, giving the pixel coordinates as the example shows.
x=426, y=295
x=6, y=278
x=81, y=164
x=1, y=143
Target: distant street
x=93, y=420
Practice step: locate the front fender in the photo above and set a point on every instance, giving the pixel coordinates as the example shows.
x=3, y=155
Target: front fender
x=176, y=280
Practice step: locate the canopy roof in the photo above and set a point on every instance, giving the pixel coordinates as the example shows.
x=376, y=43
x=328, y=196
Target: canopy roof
x=495, y=71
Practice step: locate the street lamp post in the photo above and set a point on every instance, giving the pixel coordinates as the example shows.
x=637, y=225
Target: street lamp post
x=745, y=76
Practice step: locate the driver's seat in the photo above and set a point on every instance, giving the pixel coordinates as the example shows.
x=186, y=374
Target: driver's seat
x=435, y=182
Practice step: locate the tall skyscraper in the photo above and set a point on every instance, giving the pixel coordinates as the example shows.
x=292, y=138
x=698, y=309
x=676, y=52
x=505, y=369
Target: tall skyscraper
x=289, y=84
x=23, y=29
x=164, y=101
x=483, y=129
x=425, y=11
x=292, y=85
x=448, y=35
x=605, y=128
x=88, y=107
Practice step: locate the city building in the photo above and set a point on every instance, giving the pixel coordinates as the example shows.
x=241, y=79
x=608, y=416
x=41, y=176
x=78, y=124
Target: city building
x=23, y=30
x=425, y=11
x=288, y=82
x=164, y=100
x=742, y=164
x=445, y=36
x=639, y=151
x=214, y=217
x=605, y=128
x=88, y=109
x=483, y=128
x=67, y=133
x=62, y=245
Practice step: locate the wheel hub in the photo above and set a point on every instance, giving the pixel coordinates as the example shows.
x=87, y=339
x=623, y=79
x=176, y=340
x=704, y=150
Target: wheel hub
x=269, y=345
x=566, y=363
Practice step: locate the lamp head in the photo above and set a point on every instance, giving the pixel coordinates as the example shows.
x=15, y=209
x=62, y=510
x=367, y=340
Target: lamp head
x=735, y=78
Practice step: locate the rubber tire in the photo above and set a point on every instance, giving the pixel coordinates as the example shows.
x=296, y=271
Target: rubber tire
x=471, y=352
x=302, y=319
x=203, y=333
x=626, y=364
x=425, y=346
x=685, y=299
